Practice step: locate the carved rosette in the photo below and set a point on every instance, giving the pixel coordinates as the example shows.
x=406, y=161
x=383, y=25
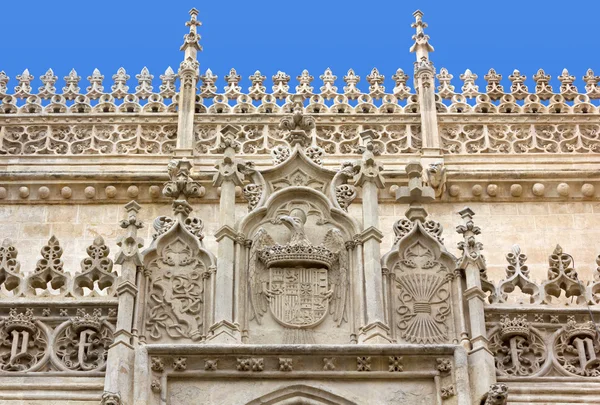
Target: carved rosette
x=84, y=342
x=518, y=350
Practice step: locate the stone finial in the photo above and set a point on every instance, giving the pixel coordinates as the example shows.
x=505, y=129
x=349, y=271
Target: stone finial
x=120, y=88
x=48, y=81
x=470, y=247
x=167, y=86
x=144, y=87
x=4, y=83
x=298, y=124
x=421, y=46
x=71, y=88
x=370, y=170
x=23, y=89
x=192, y=38
x=130, y=243
x=95, y=89
x=416, y=193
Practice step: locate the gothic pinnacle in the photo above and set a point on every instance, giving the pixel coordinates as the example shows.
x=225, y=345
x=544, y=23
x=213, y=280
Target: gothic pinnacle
x=421, y=45
x=192, y=38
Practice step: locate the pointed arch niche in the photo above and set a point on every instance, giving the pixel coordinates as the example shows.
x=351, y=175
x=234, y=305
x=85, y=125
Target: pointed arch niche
x=300, y=395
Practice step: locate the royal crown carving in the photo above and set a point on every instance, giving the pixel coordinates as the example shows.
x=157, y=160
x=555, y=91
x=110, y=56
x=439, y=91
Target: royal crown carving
x=294, y=286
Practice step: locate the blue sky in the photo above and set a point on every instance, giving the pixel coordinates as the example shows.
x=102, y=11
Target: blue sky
x=291, y=35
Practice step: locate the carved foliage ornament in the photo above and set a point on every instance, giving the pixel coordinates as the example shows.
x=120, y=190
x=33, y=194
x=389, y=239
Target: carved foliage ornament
x=177, y=266
x=176, y=300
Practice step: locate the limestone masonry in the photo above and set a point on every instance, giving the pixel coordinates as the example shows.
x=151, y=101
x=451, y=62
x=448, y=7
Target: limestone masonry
x=300, y=243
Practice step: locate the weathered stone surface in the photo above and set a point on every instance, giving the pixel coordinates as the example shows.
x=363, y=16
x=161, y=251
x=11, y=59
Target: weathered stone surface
x=302, y=248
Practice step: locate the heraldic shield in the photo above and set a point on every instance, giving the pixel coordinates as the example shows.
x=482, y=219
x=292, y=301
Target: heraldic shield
x=299, y=282
x=300, y=296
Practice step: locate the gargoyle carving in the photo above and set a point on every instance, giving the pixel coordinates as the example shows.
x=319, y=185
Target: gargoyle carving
x=435, y=177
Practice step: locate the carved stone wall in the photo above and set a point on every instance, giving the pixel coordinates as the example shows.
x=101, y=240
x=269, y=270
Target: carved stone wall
x=299, y=242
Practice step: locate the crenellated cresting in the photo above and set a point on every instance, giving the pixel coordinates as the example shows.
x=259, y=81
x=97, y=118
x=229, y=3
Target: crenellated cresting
x=144, y=95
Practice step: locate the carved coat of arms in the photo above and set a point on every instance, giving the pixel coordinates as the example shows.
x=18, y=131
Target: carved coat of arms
x=298, y=282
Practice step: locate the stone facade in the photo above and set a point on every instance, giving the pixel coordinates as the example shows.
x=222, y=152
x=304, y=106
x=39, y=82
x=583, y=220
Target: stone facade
x=299, y=244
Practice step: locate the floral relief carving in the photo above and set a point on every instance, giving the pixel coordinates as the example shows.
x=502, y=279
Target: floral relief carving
x=176, y=298
x=101, y=139
x=252, y=193
x=520, y=138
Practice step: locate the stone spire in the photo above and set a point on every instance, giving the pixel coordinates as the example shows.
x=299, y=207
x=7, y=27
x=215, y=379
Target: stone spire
x=421, y=46
x=424, y=85
x=188, y=76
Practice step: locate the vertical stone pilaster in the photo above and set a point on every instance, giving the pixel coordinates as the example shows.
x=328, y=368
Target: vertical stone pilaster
x=228, y=176
x=188, y=76
x=121, y=356
x=472, y=264
x=374, y=329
